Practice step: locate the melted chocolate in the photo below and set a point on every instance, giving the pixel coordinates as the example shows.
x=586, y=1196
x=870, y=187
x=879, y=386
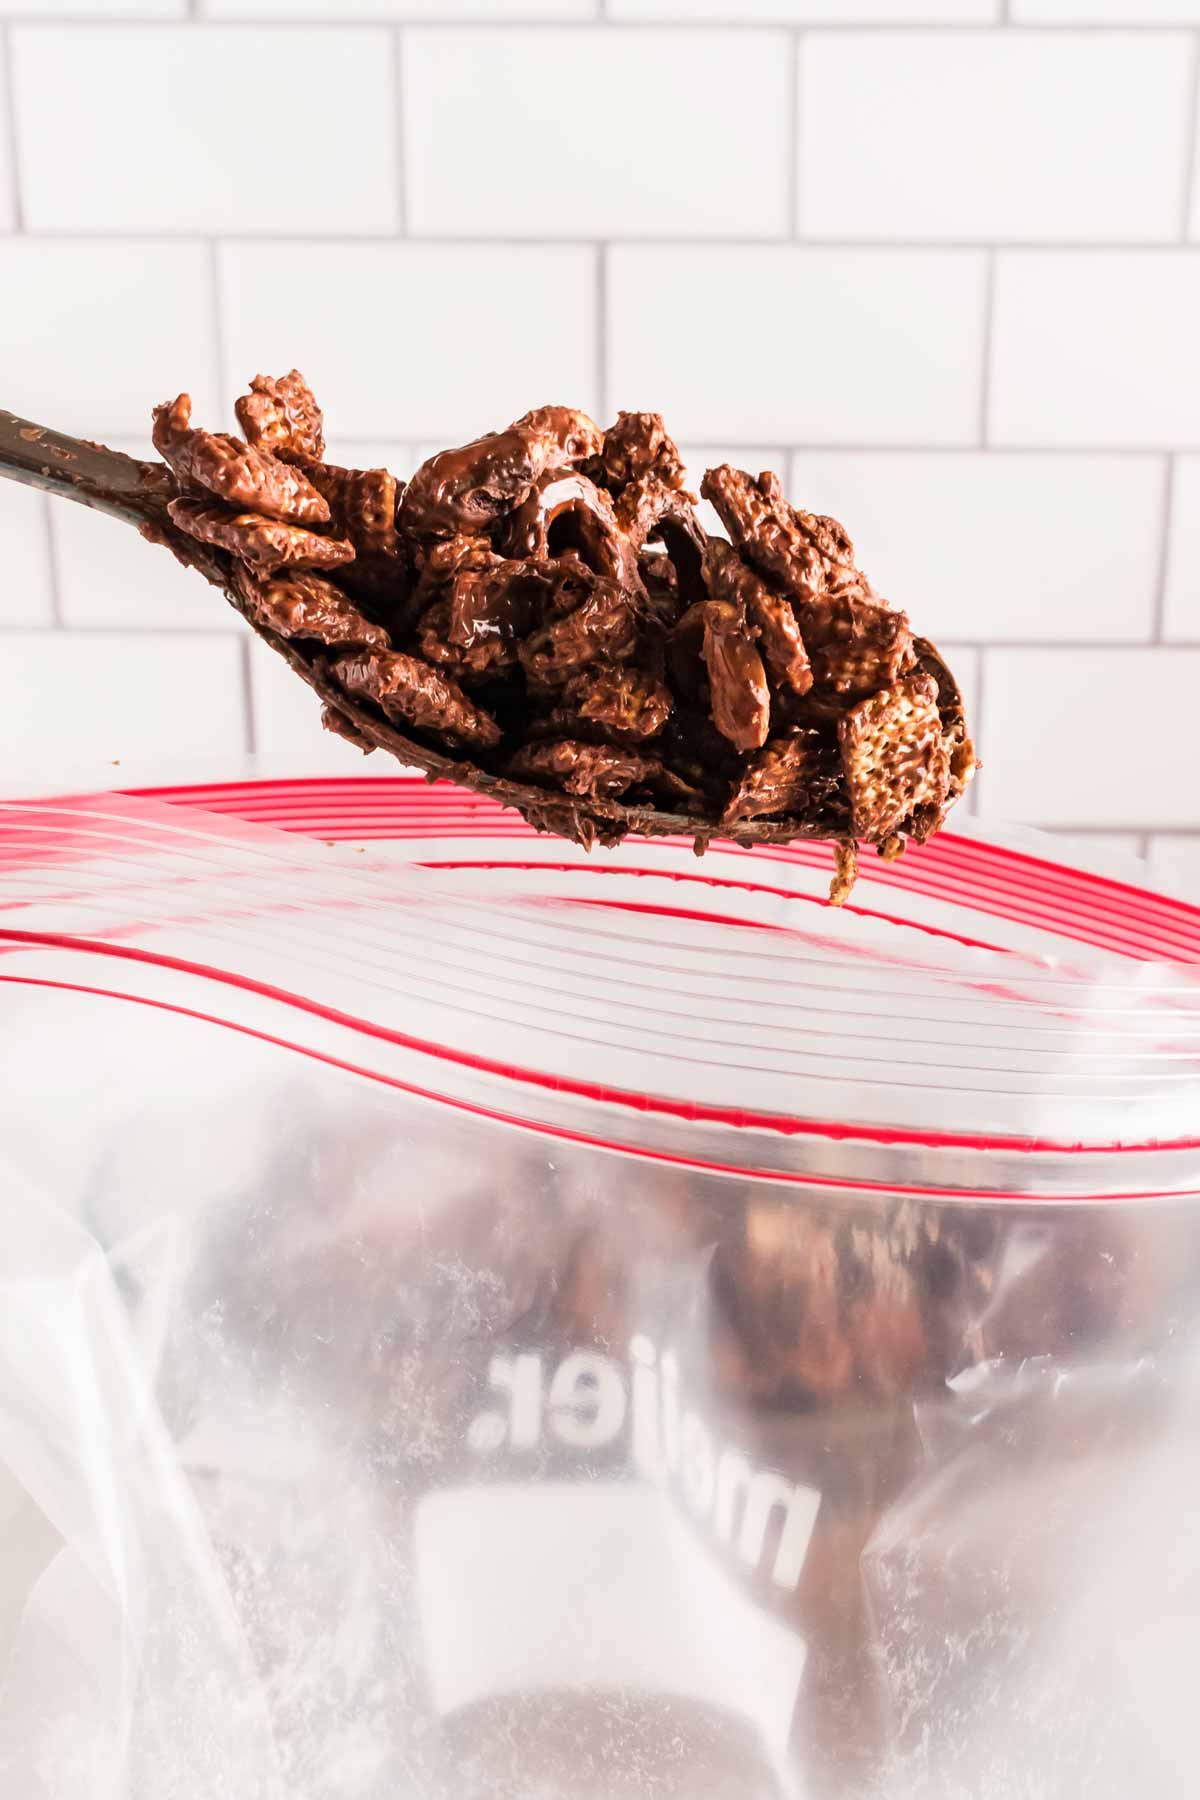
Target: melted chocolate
x=541, y=616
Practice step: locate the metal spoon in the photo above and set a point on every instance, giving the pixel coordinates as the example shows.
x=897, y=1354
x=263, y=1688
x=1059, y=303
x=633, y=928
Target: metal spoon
x=138, y=492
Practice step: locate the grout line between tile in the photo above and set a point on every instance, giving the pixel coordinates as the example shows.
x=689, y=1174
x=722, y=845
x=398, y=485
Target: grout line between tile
x=56, y=607
x=795, y=221
x=647, y=240
x=1190, y=147
x=883, y=448
x=601, y=330
x=1060, y=646
x=989, y=316
x=1164, y=550
x=679, y=27
x=248, y=724
x=730, y=22
x=426, y=20
x=1095, y=829
x=166, y=634
x=400, y=159
x=9, y=100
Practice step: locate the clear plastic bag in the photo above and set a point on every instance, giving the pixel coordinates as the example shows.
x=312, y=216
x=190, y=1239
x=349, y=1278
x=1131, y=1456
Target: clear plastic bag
x=519, y=1331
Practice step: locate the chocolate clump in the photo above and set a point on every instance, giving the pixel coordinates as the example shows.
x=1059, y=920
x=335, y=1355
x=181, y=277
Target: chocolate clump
x=543, y=616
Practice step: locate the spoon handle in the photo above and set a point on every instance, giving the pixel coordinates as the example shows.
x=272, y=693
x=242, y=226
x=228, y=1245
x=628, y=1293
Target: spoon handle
x=89, y=473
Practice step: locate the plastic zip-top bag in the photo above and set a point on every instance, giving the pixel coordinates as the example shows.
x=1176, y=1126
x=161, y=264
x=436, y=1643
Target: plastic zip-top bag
x=478, y=1319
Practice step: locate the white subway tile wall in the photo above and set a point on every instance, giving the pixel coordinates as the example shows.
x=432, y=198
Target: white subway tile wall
x=108, y=575
x=171, y=130
x=96, y=331
x=815, y=12
x=878, y=113
x=27, y=584
x=1105, y=12
x=1181, y=615
x=1035, y=548
x=94, y=9
x=341, y=10
x=1176, y=861
x=415, y=340
x=1126, y=843
x=119, y=696
x=1092, y=737
x=607, y=181
x=935, y=261
x=1096, y=347
x=782, y=345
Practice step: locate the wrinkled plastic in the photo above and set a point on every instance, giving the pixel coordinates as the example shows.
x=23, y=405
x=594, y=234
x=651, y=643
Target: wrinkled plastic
x=380, y=1419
